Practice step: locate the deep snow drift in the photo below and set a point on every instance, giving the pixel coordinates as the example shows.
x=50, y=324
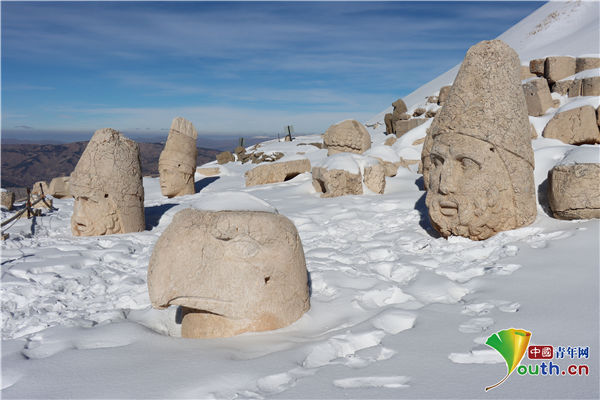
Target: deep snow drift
x=396, y=310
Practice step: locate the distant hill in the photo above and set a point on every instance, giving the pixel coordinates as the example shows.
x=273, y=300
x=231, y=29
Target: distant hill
x=219, y=142
x=25, y=164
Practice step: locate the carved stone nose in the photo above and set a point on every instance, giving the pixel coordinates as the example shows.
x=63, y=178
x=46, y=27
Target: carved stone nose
x=446, y=185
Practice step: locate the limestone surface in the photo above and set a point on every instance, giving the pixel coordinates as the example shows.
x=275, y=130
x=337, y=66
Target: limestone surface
x=336, y=182
x=107, y=186
x=526, y=73
x=444, y=91
x=419, y=141
x=390, y=141
x=208, y=171
x=374, y=178
x=477, y=157
x=59, y=187
x=389, y=168
x=225, y=157
x=40, y=186
x=574, y=191
x=177, y=161
x=430, y=113
x=276, y=172
x=403, y=126
x=232, y=271
x=389, y=127
x=399, y=113
x=537, y=66
x=575, y=88
x=585, y=63
x=348, y=136
x=562, y=87
x=590, y=86
x=419, y=111
x=557, y=68
x=7, y=199
x=399, y=107
x=45, y=204
x=537, y=96
x=534, y=134
x=576, y=126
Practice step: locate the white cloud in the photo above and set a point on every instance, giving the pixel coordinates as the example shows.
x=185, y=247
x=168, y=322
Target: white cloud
x=206, y=119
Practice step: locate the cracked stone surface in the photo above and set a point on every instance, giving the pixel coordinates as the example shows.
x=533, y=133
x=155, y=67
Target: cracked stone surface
x=348, y=136
x=576, y=126
x=336, y=182
x=477, y=157
x=574, y=191
x=107, y=186
x=276, y=172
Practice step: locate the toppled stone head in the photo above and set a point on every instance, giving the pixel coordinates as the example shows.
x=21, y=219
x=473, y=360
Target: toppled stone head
x=347, y=136
x=177, y=162
x=107, y=187
x=477, y=158
x=233, y=271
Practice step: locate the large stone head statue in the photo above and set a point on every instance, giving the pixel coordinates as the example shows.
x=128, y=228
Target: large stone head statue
x=477, y=157
x=177, y=162
x=233, y=271
x=107, y=187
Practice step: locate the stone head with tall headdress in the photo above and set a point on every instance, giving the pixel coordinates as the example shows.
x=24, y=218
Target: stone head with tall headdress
x=107, y=187
x=477, y=157
x=177, y=162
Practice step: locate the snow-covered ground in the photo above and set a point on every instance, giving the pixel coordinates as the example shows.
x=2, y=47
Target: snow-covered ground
x=396, y=311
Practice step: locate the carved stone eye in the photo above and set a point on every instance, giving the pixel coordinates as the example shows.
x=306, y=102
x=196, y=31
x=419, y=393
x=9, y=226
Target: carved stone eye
x=436, y=160
x=468, y=163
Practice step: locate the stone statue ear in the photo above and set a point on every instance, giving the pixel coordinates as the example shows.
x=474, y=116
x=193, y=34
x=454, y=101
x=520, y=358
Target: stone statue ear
x=117, y=212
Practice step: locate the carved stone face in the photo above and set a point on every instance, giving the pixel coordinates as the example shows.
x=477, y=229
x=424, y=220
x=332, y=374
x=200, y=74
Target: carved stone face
x=174, y=182
x=95, y=217
x=469, y=189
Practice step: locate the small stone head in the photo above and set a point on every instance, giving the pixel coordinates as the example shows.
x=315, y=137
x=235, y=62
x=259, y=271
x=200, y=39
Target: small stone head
x=233, y=271
x=177, y=162
x=107, y=187
x=174, y=181
x=477, y=157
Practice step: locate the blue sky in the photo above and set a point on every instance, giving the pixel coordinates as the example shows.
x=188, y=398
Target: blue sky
x=230, y=68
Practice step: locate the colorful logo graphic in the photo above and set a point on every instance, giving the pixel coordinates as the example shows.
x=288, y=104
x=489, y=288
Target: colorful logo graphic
x=540, y=352
x=512, y=346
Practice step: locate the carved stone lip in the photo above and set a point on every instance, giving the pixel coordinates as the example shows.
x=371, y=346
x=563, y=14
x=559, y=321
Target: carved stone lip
x=448, y=208
x=81, y=225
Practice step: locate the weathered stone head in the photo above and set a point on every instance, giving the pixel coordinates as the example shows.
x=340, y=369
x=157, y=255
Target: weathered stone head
x=477, y=157
x=107, y=187
x=233, y=271
x=177, y=162
x=347, y=136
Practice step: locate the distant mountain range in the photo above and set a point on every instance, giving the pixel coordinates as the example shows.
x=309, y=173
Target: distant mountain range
x=219, y=142
x=25, y=164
